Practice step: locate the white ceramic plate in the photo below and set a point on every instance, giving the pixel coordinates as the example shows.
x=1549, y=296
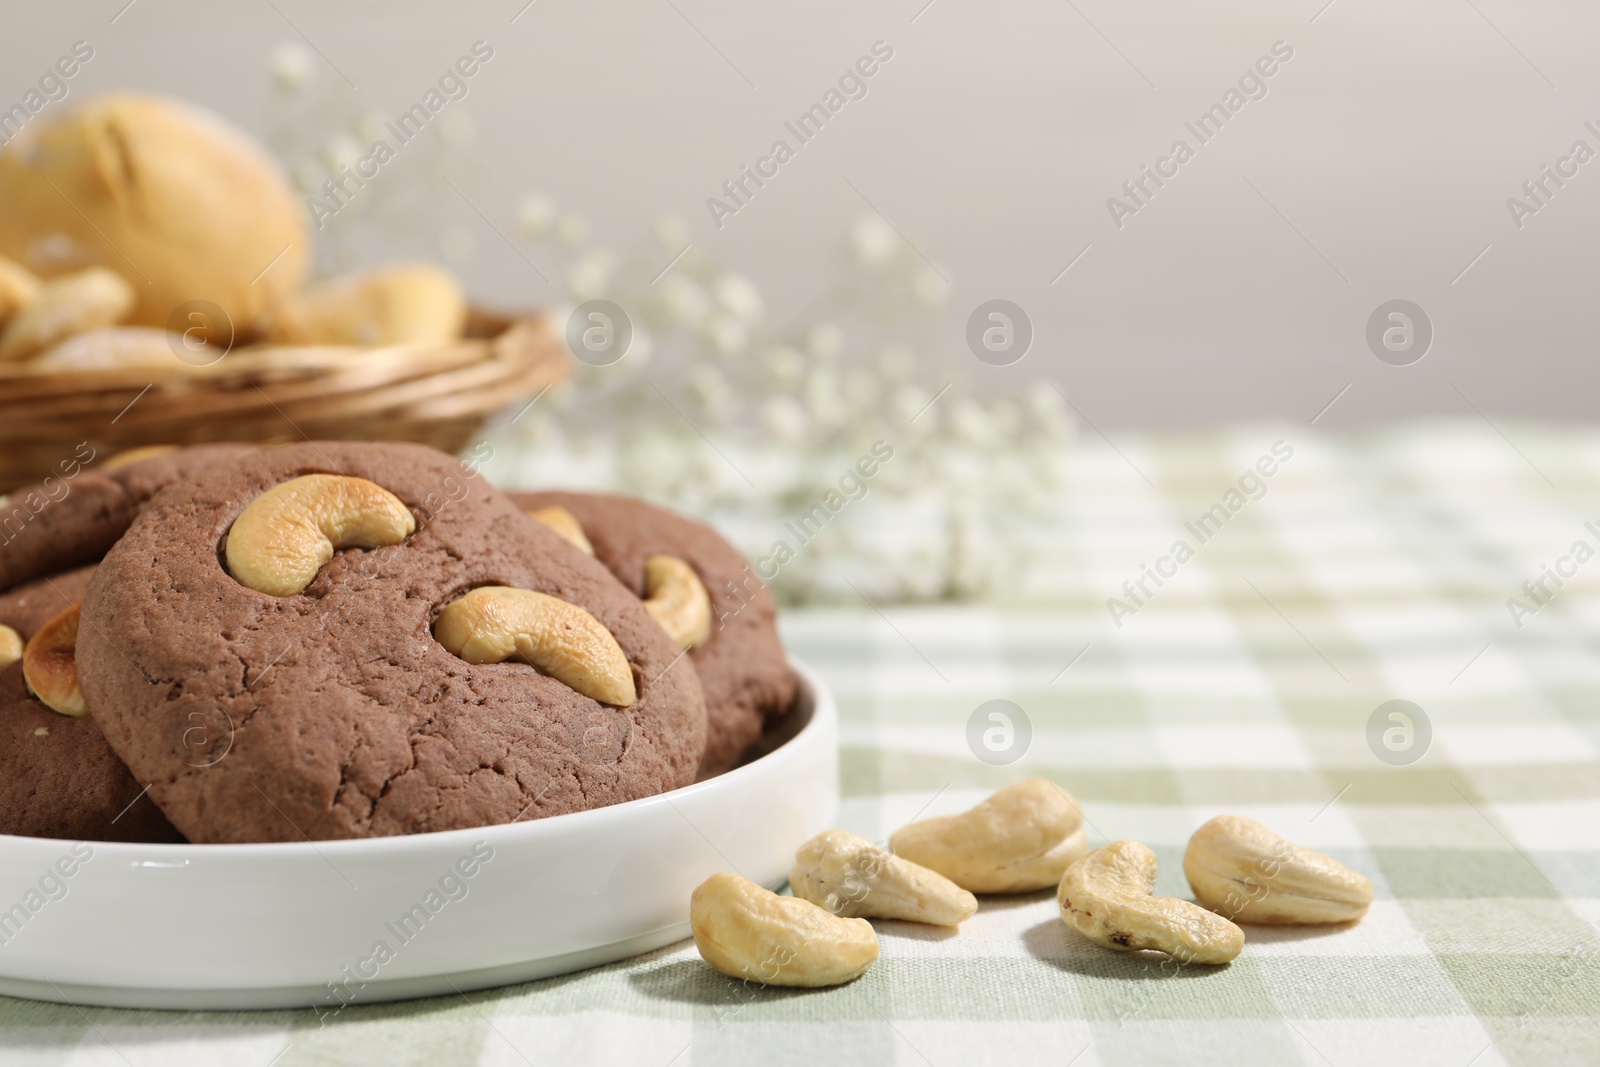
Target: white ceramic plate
x=332, y=922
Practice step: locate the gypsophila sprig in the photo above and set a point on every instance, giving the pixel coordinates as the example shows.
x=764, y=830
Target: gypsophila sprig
x=762, y=426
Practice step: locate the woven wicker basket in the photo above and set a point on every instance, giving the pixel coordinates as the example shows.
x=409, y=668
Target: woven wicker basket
x=439, y=394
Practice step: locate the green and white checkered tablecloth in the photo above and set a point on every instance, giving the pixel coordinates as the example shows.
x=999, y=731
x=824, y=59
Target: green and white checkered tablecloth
x=1374, y=568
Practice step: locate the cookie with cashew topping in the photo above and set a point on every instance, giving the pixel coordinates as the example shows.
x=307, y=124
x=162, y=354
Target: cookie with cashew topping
x=74, y=516
x=339, y=709
x=58, y=776
x=673, y=593
x=740, y=660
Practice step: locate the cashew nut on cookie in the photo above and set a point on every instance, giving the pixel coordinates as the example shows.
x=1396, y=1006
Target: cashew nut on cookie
x=494, y=623
x=285, y=536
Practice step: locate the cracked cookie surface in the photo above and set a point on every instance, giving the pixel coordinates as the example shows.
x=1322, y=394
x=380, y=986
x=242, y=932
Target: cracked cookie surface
x=742, y=666
x=58, y=776
x=334, y=713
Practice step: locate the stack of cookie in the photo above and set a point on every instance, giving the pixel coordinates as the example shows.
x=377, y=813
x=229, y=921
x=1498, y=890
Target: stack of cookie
x=337, y=640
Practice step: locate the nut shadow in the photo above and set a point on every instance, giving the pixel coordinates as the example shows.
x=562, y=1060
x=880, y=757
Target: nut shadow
x=693, y=981
x=1053, y=943
x=897, y=929
x=1261, y=934
x=1000, y=903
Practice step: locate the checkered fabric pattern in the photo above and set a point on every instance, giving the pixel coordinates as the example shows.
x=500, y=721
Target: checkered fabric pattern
x=1375, y=567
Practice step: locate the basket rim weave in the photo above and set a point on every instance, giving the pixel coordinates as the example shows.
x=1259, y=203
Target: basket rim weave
x=439, y=394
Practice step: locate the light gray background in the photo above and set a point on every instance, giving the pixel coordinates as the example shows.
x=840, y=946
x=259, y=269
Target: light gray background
x=1381, y=161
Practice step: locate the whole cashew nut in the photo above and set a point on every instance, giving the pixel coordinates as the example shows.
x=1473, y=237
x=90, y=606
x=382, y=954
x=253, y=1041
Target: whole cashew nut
x=493, y=623
x=677, y=599
x=10, y=646
x=749, y=932
x=1020, y=839
x=18, y=287
x=77, y=303
x=1106, y=897
x=850, y=876
x=395, y=304
x=50, y=664
x=674, y=595
x=1240, y=869
x=285, y=536
x=564, y=523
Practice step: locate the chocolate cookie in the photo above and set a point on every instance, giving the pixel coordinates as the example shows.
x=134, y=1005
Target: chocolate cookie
x=72, y=519
x=58, y=776
x=742, y=666
x=334, y=712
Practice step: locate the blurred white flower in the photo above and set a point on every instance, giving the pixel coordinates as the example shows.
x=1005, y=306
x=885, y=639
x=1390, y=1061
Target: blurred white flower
x=1049, y=411
x=784, y=365
x=966, y=480
x=572, y=229
x=924, y=573
x=711, y=389
x=739, y=296
x=655, y=463
x=909, y=402
x=561, y=399
x=972, y=425
x=536, y=213
x=873, y=241
x=825, y=341
x=340, y=151
x=822, y=397
x=861, y=389
x=683, y=303
x=726, y=334
x=895, y=363
x=643, y=346
x=292, y=65
x=784, y=419
x=1006, y=418
x=672, y=232
x=588, y=278
x=538, y=429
